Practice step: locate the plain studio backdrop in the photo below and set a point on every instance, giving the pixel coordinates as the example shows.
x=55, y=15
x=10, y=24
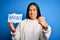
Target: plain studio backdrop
x=50, y=9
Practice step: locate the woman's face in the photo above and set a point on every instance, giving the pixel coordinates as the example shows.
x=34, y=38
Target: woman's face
x=32, y=12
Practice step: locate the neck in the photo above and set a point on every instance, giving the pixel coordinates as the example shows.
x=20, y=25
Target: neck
x=33, y=19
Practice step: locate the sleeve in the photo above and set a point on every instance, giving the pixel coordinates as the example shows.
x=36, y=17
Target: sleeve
x=19, y=30
x=47, y=32
x=16, y=35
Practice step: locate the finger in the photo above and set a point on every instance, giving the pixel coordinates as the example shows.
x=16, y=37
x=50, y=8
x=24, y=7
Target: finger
x=42, y=18
x=11, y=22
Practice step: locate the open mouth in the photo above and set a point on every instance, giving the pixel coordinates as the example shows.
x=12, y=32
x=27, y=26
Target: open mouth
x=32, y=15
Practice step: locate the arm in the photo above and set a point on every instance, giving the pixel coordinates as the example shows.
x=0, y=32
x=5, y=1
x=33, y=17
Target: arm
x=16, y=35
x=47, y=32
x=46, y=28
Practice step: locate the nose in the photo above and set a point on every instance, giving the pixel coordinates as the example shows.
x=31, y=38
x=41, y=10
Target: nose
x=32, y=12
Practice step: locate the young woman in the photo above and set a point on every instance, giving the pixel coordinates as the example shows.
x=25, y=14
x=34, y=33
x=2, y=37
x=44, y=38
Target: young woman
x=34, y=27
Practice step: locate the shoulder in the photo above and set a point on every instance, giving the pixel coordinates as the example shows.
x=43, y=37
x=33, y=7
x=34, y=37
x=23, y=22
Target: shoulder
x=25, y=20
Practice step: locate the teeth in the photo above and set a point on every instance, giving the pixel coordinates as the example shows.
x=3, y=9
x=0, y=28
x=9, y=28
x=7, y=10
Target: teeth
x=32, y=15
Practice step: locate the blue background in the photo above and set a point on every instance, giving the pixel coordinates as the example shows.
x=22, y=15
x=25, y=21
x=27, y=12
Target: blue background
x=50, y=9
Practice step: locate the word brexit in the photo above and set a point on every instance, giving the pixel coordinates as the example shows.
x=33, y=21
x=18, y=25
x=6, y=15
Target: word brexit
x=16, y=18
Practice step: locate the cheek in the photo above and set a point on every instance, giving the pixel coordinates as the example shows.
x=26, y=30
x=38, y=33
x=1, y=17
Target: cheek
x=29, y=13
x=35, y=14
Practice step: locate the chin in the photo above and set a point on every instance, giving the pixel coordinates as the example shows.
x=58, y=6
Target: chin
x=33, y=18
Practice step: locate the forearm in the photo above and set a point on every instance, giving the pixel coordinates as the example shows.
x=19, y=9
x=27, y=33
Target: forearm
x=16, y=34
x=47, y=32
x=44, y=25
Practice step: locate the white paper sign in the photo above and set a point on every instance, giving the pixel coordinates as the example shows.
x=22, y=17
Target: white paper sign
x=16, y=18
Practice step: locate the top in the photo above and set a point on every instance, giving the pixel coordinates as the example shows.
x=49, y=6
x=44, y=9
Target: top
x=30, y=30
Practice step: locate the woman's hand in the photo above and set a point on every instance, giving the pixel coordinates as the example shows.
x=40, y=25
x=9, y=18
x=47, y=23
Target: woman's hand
x=43, y=23
x=11, y=26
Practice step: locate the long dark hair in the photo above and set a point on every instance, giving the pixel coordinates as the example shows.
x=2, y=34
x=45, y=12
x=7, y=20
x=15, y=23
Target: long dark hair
x=38, y=10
